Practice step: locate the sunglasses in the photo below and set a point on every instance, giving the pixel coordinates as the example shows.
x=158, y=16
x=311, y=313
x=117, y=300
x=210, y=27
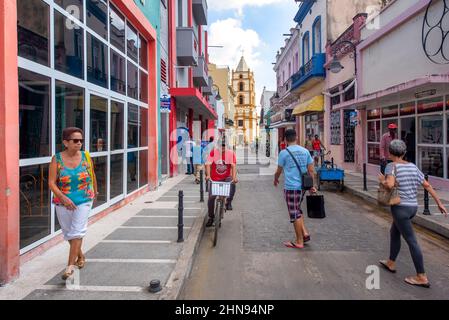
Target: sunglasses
x=77, y=140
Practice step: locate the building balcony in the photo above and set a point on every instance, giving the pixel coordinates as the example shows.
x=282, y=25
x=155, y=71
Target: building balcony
x=200, y=11
x=200, y=76
x=207, y=90
x=309, y=74
x=186, y=46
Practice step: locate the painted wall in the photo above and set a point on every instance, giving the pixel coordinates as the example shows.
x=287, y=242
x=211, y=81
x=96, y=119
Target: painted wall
x=288, y=56
x=383, y=62
x=222, y=78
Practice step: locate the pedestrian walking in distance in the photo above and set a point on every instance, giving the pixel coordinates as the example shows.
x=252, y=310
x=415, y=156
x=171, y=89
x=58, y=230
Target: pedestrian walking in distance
x=385, y=144
x=293, y=189
x=73, y=183
x=407, y=178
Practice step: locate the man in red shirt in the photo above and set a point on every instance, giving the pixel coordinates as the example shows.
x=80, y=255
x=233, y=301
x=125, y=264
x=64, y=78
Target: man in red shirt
x=221, y=166
x=385, y=145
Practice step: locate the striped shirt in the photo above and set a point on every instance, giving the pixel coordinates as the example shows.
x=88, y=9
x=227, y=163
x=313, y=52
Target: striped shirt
x=409, y=178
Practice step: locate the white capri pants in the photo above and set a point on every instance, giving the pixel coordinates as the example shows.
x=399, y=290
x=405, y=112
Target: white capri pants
x=74, y=223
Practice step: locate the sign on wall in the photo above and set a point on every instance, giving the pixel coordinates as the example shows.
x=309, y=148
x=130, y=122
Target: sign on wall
x=165, y=103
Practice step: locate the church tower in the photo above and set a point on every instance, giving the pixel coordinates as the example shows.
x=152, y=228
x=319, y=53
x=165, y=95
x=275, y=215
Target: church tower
x=245, y=119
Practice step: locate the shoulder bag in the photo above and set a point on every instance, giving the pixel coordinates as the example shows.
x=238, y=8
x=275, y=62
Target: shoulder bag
x=389, y=197
x=306, y=178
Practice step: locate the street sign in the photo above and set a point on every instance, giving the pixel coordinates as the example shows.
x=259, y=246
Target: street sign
x=165, y=103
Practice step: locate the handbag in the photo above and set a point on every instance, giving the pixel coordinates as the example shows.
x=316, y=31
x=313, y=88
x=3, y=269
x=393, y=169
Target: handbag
x=315, y=207
x=89, y=169
x=389, y=197
x=306, y=178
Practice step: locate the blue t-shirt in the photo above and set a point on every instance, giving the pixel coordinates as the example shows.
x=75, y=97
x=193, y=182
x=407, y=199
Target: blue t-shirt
x=291, y=172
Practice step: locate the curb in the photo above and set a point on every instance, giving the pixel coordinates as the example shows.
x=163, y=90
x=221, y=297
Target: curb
x=183, y=267
x=419, y=220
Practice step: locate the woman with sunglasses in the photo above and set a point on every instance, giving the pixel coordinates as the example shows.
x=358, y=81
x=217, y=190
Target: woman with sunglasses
x=72, y=180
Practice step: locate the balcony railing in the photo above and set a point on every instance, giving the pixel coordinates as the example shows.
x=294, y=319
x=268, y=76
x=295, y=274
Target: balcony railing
x=312, y=69
x=186, y=46
x=200, y=11
x=200, y=76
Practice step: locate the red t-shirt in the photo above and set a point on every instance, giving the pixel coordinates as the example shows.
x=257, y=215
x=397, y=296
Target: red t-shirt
x=317, y=145
x=283, y=145
x=221, y=166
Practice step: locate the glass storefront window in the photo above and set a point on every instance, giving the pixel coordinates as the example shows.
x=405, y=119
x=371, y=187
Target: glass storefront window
x=143, y=127
x=374, y=154
x=390, y=112
x=116, y=184
x=74, y=7
x=118, y=75
x=143, y=168
x=132, y=81
x=117, y=29
x=69, y=47
x=373, y=114
x=143, y=53
x=132, y=171
x=97, y=12
x=117, y=125
x=407, y=109
x=98, y=124
x=97, y=61
x=69, y=109
x=132, y=42
x=374, y=131
x=34, y=115
x=431, y=161
x=143, y=92
x=447, y=129
x=35, y=208
x=431, y=105
x=431, y=129
x=33, y=34
x=101, y=173
x=133, y=131
x=408, y=135
x=386, y=123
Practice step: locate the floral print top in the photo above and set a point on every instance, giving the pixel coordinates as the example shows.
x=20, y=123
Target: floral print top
x=75, y=183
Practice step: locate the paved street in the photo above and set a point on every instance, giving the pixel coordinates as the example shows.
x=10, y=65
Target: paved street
x=250, y=261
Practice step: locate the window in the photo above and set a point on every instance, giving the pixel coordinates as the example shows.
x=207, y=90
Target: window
x=117, y=125
x=335, y=127
x=35, y=217
x=317, y=36
x=350, y=93
x=241, y=100
x=305, y=48
x=390, y=112
x=374, y=131
x=241, y=86
x=143, y=167
x=407, y=108
x=132, y=42
x=33, y=34
x=240, y=123
x=431, y=105
x=116, y=183
x=132, y=81
x=98, y=124
x=101, y=174
x=408, y=129
x=143, y=52
x=74, y=7
x=69, y=47
x=132, y=171
x=431, y=161
x=34, y=115
x=143, y=91
x=289, y=69
x=97, y=13
x=143, y=127
x=133, y=118
x=117, y=29
x=69, y=109
x=97, y=61
x=335, y=100
x=118, y=76
x=431, y=129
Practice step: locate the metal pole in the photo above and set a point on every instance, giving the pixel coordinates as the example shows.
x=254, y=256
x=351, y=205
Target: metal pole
x=365, y=188
x=180, y=216
x=426, y=199
x=332, y=162
x=201, y=187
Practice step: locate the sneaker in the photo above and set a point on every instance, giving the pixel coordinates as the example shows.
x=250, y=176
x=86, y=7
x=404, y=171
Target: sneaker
x=228, y=206
x=210, y=223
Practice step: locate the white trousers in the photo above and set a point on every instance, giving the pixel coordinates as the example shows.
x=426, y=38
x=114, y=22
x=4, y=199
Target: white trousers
x=74, y=223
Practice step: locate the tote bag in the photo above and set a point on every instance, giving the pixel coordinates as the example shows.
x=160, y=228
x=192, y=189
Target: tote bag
x=389, y=197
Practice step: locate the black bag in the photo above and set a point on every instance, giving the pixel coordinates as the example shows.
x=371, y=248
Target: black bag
x=306, y=178
x=315, y=207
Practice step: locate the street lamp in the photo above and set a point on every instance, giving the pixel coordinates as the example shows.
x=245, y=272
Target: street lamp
x=217, y=97
x=335, y=65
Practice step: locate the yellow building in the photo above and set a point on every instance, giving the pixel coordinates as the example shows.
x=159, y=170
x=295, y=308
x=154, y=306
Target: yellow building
x=222, y=79
x=246, y=117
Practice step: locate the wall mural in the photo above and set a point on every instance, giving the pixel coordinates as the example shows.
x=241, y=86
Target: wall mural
x=435, y=32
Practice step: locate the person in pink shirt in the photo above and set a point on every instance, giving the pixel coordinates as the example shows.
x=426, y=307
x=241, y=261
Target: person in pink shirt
x=385, y=145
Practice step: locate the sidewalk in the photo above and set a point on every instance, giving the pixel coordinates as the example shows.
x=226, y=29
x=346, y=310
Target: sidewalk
x=435, y=222
x=125, y=251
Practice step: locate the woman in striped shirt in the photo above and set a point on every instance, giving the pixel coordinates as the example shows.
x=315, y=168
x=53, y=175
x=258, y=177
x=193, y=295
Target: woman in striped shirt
x=408, y=178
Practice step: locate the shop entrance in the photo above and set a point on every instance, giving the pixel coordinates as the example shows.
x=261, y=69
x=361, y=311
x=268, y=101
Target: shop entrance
x=349, y=137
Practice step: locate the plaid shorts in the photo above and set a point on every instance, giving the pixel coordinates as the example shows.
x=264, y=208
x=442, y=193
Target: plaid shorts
x=293, y=198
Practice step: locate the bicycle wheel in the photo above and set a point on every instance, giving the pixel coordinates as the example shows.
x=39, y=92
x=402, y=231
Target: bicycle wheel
x=222, y=210
x=218, y=206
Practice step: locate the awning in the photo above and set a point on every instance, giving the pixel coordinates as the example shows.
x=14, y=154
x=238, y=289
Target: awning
x=315, y=104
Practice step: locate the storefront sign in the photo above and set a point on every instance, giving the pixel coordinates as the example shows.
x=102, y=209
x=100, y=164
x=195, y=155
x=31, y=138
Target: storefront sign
x=353, y=118
x=165, y=103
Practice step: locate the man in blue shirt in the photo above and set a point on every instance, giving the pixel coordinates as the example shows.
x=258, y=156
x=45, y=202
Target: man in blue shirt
x=293, y=189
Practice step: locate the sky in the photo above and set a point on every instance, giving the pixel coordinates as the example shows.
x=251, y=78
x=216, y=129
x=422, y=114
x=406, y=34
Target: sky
x=255, y=26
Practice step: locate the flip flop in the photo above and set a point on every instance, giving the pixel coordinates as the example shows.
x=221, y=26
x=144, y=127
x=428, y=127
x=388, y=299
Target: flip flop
x=306, y=238
x=414, y=283
x=384, y=264
x=291, y=244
